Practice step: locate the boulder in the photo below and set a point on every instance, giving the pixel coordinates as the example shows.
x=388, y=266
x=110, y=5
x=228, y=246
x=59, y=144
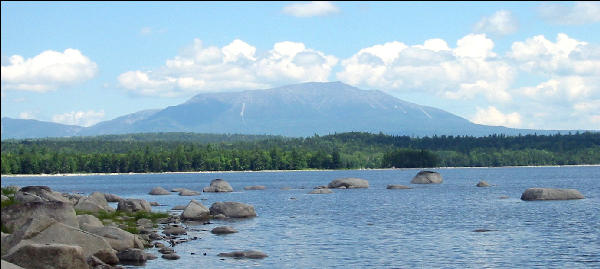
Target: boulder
x=533, y=194
x=177, y=189
x=134, y=205
x=174, y=230
x=107, y=256
x=320, y=191
x=111, y=198
x=39, y=194
x=8, y=265
x=218, y=185
x=186, y=192
x=249, y=254
x=159, y=191
x=427, y=177
x=132, y=256
x=232, y=209
x=483, y=184
x=348, y=183
x=94, y=203
x=166, y=250
x=48, y=256
x=117, y=238
x=170, y=256
x=89, y=220
x=17, y=215
x=223, y=230
x=72, y=197
x=257, y=187
x=195, y=211
x=48, y=231
x=397, y=187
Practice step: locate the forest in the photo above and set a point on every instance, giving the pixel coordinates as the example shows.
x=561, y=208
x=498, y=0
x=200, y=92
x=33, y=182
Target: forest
x=179, y=152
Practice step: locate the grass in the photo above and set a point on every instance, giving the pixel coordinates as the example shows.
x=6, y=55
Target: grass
x=128, y=219
x=10, y=193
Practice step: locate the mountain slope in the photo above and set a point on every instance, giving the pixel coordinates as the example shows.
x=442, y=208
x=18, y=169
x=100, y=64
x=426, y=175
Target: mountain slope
x=18, y=128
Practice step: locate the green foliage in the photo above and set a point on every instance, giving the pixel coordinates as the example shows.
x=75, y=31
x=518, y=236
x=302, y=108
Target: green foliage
x=177, y=152
x=10, y=193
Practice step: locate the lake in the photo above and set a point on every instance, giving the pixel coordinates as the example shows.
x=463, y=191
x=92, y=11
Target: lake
x=429, y=226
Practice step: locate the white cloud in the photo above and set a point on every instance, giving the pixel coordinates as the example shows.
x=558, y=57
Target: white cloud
x=492, y=116
x=234, y=66
x=500, y=23
x=26, y=115
x=576, y=14
x=465, y=72
x=311, y=9
x=81, y=118
x=47, y=71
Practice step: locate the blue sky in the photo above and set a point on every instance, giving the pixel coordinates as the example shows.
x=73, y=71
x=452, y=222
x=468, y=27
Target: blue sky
x=517, y=64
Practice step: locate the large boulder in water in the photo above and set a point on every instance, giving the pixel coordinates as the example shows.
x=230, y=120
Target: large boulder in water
x=195, y=211
x=427, y=177
x=232, y=210
x=533, y=194
x=483, y=183
x=348, y=183
x=52, y=256
x=159, y=191
x=218, y=185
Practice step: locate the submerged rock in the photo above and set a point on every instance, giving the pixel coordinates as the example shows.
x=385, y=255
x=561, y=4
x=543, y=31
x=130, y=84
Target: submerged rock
x=483, y=184
x=257, y=187
x=533, y=194
x=348, y=183
x=397, y=187
x=427, y=177
x=249, y=254
x=218, y=185
x=320, y=191
x=186, y=192
x=223, y=230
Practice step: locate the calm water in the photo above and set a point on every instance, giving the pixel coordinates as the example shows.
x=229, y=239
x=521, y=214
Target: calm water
x=429, y=226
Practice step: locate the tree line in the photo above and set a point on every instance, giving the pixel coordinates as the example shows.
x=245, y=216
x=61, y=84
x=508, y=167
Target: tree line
x=173, y=152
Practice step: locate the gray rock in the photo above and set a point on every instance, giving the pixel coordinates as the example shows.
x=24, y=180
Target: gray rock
x=8, y=265
x=427, y=177
x=257, y=187
x=107, y=256
x=132, y=256
x=232, y=209
x=94, y=203
x=172, y=230
x=89, y=220
x=218, y=185
x=134, y=205
x=483, y=184
x=39, y=194
x=154, y=204
x=186, y=192
x=117, y=238
x=320, y=187
x=159, y=191
x=166, y=250
x=111, y=198
x=170, y=256
x=50, y=256
x=4, y=198
x=320, y=191
x=17, y=215
x=95, y=263
x=533, y=194
x=249, y=254
x=177, y=189
x=195, y=211
x=223, y=230
x=397, y=187
x=349, y=183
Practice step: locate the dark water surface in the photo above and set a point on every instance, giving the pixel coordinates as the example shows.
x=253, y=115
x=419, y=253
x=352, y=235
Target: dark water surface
x=429, y=226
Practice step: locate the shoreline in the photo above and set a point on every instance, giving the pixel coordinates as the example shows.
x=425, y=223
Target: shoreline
x=275, y=171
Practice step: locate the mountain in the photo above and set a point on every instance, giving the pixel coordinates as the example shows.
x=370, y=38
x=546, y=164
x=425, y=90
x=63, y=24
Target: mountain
x=294, y=110
x=18, y=128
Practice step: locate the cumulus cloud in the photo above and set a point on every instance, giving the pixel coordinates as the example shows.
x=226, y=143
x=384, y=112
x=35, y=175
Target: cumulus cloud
x=310, y=9
x=81, y=118
x=235, y=66
x=464, y=72
x=493, y=116
x=47, y=71
x=500, y=23
x=576, y=14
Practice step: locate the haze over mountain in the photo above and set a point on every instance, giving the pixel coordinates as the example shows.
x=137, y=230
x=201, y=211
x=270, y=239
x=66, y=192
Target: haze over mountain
x=294, y=110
